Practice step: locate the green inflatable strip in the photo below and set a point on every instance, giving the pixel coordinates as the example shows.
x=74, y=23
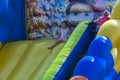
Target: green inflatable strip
x=72, y=41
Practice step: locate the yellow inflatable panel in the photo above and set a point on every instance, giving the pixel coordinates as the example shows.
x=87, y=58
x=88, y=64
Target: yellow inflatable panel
x=116, y=11
x=111, y=29
x=26, y=60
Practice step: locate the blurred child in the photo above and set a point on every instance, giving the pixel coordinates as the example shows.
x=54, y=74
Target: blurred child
x=63, y=36
x=104, y=18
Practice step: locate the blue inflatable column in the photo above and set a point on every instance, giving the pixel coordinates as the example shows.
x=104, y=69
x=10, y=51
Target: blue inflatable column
x=4, y=32
x=16, y=19
x=12, y=20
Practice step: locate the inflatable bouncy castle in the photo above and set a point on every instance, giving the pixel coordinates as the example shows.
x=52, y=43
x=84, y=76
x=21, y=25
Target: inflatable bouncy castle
x=94, y=57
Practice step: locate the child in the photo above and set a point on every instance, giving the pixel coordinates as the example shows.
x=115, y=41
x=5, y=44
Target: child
x=104, y=18
x=63, y=36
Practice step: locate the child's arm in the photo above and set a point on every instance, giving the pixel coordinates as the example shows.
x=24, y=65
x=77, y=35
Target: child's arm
x=97, y=20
